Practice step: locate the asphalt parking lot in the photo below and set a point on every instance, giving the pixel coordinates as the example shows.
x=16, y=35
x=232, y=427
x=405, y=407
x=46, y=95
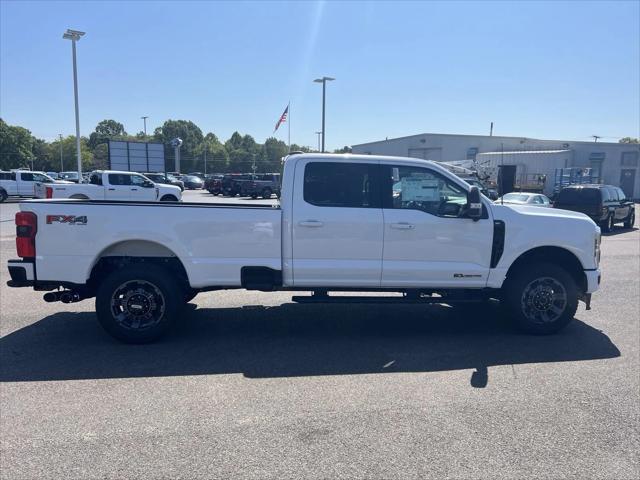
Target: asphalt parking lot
x=255, y=386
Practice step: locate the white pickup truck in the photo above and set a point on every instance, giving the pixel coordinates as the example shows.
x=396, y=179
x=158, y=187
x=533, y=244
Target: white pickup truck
x=112, y=185
x=21, y=183
x=344, y=223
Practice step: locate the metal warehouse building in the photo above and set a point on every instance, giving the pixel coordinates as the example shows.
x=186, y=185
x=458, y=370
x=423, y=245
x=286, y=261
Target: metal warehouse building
x=611, y=163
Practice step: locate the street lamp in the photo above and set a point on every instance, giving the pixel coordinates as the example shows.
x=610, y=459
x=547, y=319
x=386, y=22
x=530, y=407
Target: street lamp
x=61, y=163
x=74, y=36
x=323, y=81
x=144, y=119
x=318, y=133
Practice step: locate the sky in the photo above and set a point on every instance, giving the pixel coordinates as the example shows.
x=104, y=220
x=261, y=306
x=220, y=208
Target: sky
x=536, y=69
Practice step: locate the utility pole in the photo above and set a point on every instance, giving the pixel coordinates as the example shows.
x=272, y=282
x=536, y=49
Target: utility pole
x=205, y=160
x=318, y=134
x=61, y=162
x=595, y=138
x=491, y=130
x=74, y=36
x=323, y=81
x=144, y=119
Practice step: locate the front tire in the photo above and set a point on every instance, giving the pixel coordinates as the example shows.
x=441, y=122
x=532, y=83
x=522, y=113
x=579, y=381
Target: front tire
x=607, y=225
x=168, y=198
x=266, y=193
x=541, y=298
x=138, y=304
x=3, y=196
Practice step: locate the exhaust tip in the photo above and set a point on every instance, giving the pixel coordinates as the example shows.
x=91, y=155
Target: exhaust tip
x=51, y=297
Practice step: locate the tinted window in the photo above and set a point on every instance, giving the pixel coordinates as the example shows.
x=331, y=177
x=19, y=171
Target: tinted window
x=119, y=179
x=418, y=188
x=621, y=195
x=579, y=196
x=95, y=179
x=7, y=176
x=26, y=177
x=333, y=184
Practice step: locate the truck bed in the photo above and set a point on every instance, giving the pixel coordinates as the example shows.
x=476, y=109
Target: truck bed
x=213, y=241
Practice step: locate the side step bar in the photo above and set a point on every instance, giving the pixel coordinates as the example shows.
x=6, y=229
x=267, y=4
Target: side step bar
x=374, y=300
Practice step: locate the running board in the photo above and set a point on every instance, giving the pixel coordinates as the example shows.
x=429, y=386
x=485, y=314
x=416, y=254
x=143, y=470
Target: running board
x=373, y=300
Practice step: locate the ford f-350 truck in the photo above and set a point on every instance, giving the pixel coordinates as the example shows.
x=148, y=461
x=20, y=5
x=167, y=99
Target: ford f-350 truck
x=112, y=185
x=344, y=223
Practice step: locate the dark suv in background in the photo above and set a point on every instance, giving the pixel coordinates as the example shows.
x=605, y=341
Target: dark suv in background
x=605, y=204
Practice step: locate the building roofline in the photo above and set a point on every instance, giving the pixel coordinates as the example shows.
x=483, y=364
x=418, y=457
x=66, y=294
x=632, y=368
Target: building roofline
x=484, y=136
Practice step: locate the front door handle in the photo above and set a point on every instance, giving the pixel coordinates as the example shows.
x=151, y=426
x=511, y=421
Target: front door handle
x=134, y=189
x=112, y=189
x=403, y=226
x=311, y=223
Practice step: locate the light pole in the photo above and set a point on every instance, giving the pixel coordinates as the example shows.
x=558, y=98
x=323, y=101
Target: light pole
x=61, y=162
x=323, y=81
x=144, y=119
x=318, y=133
x=74, y=36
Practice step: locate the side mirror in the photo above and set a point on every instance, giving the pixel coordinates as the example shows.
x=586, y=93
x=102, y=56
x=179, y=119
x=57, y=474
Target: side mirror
x=474, y=205
x=148, y=184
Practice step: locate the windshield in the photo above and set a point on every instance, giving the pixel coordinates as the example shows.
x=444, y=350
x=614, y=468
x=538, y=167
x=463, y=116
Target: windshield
x=69, y=175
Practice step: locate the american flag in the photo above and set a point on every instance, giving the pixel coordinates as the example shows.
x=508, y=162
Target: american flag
x=283, y=118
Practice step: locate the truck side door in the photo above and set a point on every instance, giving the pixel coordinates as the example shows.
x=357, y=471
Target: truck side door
x=25, y=183
x=118, y=186
x=427, y=240
x=336, y=224
x=142, y=189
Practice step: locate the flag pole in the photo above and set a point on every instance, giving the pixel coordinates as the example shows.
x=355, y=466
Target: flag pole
x=289, y=126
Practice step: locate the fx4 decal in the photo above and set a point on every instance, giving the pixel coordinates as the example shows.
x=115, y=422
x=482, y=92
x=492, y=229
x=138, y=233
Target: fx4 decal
x=69, y=219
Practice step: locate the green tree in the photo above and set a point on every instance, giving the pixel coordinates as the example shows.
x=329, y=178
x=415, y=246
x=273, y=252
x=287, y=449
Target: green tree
x=298, y=148
x=69, y=156
x=629, y=140
x=106, y=130
x=16, y=144
x=274, y=150
x=345, y=149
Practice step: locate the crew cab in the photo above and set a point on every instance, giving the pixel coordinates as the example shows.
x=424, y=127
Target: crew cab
x=344, y=223
x=21, y=183
x=112, y=185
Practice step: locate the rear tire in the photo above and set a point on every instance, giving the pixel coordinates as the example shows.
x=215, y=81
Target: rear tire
x=266, y=193
x=168, y=198
x=138, y=303
x=3, y=196
x=631, y=219
x=607, y=225
x=541, y=298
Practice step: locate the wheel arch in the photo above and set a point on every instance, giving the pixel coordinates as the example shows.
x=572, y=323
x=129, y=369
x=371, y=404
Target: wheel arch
x=556, y=255
x=126, y=252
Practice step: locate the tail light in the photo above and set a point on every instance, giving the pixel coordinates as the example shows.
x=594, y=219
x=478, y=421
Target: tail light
x=26, y=229
x=49, y=192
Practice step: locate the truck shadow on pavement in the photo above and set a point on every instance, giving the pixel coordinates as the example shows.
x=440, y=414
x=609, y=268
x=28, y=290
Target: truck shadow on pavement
x=295, y=340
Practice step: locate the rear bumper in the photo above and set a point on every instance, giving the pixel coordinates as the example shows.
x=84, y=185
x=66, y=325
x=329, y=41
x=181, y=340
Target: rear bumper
x=22, y=273
x=593, y=280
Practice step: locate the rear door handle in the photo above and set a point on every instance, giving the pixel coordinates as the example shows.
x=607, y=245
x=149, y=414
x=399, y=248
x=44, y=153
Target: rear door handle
x=403, y=226
x=112, y=189
x=134, y=189
x=310, y=223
